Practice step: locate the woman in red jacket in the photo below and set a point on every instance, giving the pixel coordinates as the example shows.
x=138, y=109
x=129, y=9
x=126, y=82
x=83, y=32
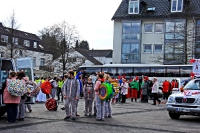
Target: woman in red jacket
x=11, y=101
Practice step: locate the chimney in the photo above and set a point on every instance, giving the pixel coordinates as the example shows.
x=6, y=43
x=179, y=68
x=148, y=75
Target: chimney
x=1, y=25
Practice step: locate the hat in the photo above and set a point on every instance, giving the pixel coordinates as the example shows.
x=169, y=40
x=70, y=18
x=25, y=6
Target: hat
x=136, y=78
x=146, y=78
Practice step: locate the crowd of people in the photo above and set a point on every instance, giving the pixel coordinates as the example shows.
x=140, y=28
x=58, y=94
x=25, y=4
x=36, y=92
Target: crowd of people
x=15, y=105
x=70, y=88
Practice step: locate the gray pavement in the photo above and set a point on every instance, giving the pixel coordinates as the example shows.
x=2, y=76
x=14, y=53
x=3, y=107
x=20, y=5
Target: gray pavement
x=128, y=118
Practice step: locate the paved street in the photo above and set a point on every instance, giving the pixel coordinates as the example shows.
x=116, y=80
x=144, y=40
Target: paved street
x=128, y=118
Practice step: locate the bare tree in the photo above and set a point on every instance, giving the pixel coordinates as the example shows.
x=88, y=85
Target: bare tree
x=62, y=38
x=12, y=23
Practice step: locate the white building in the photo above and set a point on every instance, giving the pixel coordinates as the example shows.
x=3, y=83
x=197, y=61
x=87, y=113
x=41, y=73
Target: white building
x=156, y=31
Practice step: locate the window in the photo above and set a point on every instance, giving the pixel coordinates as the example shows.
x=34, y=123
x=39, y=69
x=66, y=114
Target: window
x=158, y=48
x=147, y=48
x=172, y=72
x=27, y=43
x=131, y=41
x=141, y=71
x=4, y=38
x=148, y=28
x=176, y=5
x=175, y=29
x=15, y=41
x=34, y=61
x=2, y=54
x=126, y=27
x=74, y=59
x=20, y=53
x=159, y=28
x=35, y=45
x=135, y=27
x=41, y=61
x=133, y=6
x=157, y=72
x=185, y=71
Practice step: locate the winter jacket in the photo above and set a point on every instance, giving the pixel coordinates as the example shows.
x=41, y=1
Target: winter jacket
x=71, y=88
x=145, y=88
x=174, y=85
x=155, y=87
x=88, y=91
x=124, y=88
x=134, y=85
x=8, y=98
x=166, y=86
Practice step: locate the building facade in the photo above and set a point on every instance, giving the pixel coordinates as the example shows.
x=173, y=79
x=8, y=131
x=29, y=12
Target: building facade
x=156, y=31
x=24, y=44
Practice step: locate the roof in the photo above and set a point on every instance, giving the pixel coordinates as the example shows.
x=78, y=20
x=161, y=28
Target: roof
x=101, y=53
x=162, y=10
x=21, y=34
x=88, y=56
x=18, y=33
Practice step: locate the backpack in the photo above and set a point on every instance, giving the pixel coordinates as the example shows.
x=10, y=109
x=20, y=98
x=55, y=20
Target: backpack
x=51, y=104
x=16, y=87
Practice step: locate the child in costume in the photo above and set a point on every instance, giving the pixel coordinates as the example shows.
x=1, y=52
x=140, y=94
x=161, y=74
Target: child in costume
x=89, y=96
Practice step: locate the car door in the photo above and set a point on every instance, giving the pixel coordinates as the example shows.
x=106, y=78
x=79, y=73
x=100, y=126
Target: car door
x=26, y=65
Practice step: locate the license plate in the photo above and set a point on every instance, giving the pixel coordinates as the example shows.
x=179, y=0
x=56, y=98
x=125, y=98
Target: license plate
x=186, y=110
x=181, y=109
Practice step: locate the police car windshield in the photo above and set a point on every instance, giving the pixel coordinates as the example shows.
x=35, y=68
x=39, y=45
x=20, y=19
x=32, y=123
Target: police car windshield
x=193, y=85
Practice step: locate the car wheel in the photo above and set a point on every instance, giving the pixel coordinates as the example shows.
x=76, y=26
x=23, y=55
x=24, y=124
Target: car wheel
x=174, y=115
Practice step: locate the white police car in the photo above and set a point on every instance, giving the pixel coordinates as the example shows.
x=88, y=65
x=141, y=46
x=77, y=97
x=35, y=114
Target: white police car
x=186, y=102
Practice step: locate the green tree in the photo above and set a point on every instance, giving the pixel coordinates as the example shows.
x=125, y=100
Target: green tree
x=84, y=45
x=77, y=45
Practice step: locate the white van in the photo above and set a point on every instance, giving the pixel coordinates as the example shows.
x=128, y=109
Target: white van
x=7, y=65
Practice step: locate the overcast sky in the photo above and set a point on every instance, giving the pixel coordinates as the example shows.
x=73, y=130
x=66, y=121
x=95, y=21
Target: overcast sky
x=91, y=17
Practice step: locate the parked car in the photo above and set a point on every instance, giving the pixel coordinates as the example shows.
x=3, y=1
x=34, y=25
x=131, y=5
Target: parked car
x=186, y=102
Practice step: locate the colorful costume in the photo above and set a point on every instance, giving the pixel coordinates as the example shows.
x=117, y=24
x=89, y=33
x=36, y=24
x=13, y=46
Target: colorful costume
x=71, y=89
x=89, y=97
x=134, y=89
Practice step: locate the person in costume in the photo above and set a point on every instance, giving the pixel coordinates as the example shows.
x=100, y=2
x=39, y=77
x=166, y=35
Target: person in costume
x=88, y=96
x=145, y=88
x=65, y=79
x=10, y=100
x=99, y=103
x=124, y=90
x=120, y=95
x=155, y=88
x=41, y=97
x=134, y=89
x=78, y=77
x=22, y=106
x=54, y=87
x=95, y=109
x=60, y=84
x=71, y=93
x=108, y=107
x=165, y=89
